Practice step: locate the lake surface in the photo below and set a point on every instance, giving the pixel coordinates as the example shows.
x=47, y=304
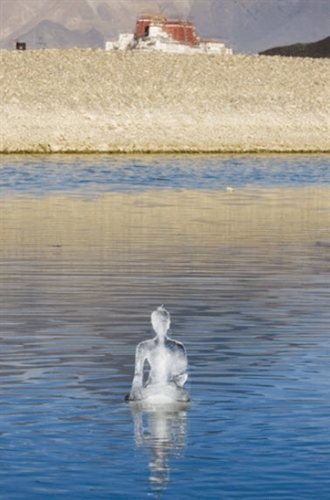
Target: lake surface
x=237, y=248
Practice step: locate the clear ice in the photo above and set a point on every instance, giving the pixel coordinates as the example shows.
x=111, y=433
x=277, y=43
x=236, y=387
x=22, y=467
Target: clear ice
x=168, y=364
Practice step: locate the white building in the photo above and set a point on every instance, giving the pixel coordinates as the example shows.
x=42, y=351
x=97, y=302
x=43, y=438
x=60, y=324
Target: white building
x=158, y=34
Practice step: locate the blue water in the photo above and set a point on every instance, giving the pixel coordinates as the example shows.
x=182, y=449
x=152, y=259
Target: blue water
x=90, y=246
x=37, y=175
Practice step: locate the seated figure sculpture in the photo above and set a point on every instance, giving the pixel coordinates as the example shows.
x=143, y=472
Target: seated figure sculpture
x=168, y=365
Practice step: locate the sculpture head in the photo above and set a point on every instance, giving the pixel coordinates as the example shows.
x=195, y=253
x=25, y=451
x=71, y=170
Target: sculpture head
x=160, y=320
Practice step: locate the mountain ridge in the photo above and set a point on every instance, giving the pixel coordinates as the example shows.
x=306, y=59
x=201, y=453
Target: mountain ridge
x=249, y=26
x=319, y=49
x=50, y=34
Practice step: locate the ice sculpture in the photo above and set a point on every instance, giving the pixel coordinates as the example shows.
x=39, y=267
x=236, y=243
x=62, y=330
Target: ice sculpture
x=168, y=364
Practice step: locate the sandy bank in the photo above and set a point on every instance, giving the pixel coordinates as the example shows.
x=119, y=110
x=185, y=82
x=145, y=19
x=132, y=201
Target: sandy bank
x=98, y=101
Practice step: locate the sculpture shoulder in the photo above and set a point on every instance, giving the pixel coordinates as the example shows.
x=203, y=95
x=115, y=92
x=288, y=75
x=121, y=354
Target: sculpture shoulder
x=176, y=346
x=144, y=346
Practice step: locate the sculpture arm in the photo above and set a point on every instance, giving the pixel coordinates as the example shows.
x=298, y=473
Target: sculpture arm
x=181, y=379
x=138, y=373
x=181, y=376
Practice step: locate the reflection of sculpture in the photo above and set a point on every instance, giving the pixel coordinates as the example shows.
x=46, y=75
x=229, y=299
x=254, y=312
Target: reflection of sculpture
x=168, y=365
x=163, y=434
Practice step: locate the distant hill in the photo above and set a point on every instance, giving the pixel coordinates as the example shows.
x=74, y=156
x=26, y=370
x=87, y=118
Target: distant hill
x=248, y=26
x=316, y=49
x=48, y=34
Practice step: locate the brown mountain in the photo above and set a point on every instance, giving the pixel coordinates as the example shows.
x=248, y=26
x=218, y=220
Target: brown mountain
x=247, y=25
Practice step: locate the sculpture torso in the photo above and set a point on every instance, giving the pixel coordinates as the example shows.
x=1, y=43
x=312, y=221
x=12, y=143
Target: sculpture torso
x=167, y=360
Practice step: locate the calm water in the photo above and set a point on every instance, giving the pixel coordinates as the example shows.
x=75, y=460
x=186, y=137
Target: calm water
x=89, y=247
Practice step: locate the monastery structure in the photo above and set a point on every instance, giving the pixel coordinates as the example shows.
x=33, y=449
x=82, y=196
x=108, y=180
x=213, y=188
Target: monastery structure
x=156, y=33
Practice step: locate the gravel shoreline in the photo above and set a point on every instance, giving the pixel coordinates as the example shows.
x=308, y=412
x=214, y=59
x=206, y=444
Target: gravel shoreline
x=88, y=101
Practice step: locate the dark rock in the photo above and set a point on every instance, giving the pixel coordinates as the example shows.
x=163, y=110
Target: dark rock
x=316, y=50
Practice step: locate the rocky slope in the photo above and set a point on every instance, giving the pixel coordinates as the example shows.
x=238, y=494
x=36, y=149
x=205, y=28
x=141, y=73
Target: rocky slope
x=93, y=100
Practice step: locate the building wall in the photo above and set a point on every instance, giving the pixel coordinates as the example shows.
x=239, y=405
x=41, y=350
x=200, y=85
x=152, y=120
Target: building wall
x=156, y=31
x=141, y=26
x=183, y=32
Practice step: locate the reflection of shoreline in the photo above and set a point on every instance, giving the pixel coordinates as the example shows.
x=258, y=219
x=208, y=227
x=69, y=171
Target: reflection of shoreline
x=64, y=224
x=162, y=431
